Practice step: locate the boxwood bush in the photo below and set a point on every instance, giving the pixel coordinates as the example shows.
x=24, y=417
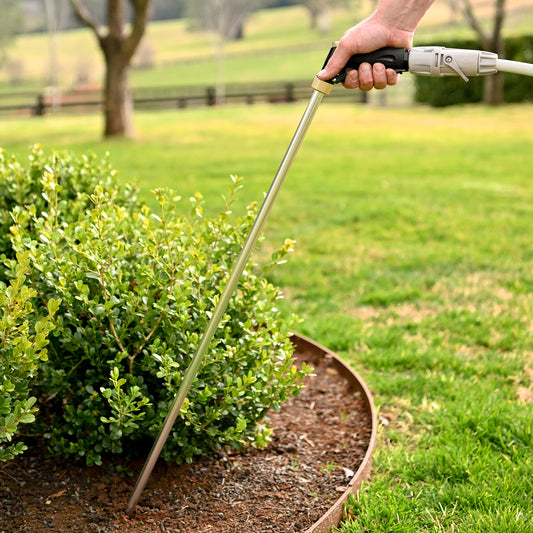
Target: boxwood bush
x=72, y=177
x=22, y=345
x=137, y=288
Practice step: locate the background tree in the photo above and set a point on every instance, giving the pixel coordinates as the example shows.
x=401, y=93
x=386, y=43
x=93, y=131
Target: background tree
x=35, y=15
x=319, y=11
x=11, y=22
x=118, y=40
x=491, y=41
x=225, y=19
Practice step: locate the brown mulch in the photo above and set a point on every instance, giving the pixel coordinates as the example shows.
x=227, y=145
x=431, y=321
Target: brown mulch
x=319, y=441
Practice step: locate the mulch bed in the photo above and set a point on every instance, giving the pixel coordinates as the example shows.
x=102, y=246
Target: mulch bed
x=319, y=441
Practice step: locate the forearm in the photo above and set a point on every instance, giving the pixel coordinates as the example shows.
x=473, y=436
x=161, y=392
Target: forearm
x=404, y=15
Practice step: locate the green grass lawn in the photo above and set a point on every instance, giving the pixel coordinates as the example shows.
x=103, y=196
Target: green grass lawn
x=413, y=261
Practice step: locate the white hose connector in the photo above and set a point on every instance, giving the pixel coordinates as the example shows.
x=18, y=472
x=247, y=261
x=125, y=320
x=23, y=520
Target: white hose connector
x=438, y=61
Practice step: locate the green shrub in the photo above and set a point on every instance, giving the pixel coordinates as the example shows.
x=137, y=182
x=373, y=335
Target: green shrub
x=137, y=289
x=73, y=178
x=22, y=344
x=519, y=88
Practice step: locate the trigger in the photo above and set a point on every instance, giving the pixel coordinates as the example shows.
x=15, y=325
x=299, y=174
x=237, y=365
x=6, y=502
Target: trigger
x=449, y=61
x=340, y=77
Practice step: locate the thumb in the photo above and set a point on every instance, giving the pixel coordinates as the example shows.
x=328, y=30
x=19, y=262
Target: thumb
x=335, y=64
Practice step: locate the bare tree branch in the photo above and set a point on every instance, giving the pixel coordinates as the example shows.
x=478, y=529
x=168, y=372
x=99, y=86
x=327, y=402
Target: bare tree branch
x=140, y=20
x=468, y=12
x=499, y=17
x=489, y=41
x=225, y=17
x=115, y=18
x=85, y=16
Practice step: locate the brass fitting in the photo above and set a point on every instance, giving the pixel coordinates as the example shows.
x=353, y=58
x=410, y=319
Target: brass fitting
x=321, y=86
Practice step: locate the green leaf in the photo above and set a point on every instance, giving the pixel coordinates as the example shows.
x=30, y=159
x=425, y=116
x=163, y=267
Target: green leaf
x=27, y=418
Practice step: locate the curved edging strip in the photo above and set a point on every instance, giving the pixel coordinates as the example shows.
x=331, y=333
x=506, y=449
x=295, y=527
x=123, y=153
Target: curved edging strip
x=334, y=515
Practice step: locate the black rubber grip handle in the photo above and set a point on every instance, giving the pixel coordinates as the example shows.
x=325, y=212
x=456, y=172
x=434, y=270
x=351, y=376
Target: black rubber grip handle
x=395, y=58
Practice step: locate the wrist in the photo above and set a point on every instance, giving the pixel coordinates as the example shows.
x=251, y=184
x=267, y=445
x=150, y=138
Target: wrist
x=403, y=19
x=398, y=33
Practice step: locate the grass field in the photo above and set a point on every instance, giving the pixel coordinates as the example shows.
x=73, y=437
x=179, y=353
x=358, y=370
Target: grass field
x=413, y=261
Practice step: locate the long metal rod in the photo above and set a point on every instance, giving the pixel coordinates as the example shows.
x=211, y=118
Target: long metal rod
x=220, y=308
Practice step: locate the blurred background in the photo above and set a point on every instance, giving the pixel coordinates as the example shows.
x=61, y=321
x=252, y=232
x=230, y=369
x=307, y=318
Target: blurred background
x=210, y=52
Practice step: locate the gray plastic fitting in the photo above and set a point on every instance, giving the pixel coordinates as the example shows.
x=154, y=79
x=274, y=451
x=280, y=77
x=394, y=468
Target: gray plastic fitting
x=438, y=61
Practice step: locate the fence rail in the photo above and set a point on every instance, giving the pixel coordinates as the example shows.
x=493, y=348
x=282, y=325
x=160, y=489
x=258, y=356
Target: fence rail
x=153, y=98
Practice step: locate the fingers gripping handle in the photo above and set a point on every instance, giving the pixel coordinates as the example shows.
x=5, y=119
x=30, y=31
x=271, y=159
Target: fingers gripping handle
x=395, y=58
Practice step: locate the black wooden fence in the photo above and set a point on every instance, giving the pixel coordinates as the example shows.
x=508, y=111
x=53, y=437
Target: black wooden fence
x=153, y=98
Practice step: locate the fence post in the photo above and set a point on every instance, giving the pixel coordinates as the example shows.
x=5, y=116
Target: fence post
x=211, y=96
x=289, y=93
x=40, y=106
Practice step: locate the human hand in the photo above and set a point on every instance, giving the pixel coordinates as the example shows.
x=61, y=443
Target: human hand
x=367, y=36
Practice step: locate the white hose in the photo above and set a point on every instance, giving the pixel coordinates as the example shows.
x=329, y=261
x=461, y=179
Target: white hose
x=516, y=67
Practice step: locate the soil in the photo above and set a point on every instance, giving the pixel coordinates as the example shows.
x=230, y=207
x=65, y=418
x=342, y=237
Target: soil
x=319, y=440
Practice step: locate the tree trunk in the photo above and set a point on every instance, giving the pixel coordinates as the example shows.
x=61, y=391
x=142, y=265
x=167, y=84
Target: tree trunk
x=493, y=89
x=220, y=54
x=118, y=47
x=118, y=103
x=313, y=13
x=323, y=22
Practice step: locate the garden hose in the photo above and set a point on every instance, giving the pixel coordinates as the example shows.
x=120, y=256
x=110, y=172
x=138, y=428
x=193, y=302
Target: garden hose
x=436, y=61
